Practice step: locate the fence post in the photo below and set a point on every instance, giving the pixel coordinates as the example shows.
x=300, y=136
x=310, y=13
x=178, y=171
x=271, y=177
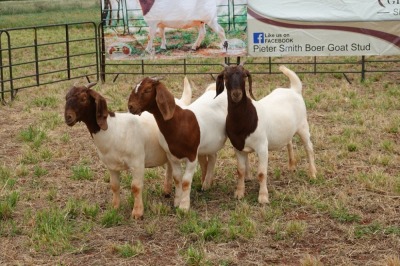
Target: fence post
x=1, y=70
x=102, y=47
x=270, y=65
x=315, y=65
x=363, y=68
x=36, y=58
x=67, y=51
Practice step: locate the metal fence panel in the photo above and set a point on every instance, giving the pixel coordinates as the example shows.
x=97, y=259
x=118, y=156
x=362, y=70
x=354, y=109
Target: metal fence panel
x=34, y=56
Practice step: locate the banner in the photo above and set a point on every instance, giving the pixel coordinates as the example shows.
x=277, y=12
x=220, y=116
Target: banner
x=165, y=29
x=323, y=28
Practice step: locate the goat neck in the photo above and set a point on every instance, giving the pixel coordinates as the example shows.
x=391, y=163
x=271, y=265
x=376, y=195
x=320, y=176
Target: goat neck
x=242, y=116
x=241, y=121
x=178, y=126
x=146, y=5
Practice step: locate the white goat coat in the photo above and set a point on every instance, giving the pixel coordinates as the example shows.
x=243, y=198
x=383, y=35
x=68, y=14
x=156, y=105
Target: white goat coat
x=126, y=135
x=280, y=115
x=181, y=14
x=211, y=116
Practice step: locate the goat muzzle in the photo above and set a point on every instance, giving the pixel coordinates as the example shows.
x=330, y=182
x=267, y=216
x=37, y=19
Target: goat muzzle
x=70, y=119
x=236, y=96
x=133, y=110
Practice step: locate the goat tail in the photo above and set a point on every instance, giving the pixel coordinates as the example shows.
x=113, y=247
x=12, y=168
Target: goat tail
x=187, y=92
x=295, y=82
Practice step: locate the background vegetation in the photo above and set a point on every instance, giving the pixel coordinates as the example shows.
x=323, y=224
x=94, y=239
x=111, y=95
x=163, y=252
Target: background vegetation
x=44, y=12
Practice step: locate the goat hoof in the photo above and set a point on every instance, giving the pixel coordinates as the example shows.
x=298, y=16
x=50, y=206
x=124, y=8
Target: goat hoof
x=205, y=186
x=176, y=203
x=167, y=195
x=239, y=194
x=184, y=208
x=313, y=175
x=263, y=199
x=137, y=215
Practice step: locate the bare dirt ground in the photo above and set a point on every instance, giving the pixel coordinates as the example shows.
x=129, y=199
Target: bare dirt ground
x=350, y=215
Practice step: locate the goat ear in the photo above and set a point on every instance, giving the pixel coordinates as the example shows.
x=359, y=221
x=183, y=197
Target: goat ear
x=248, y=75
x=165, y=101
x=220, y=83
x=101, y=109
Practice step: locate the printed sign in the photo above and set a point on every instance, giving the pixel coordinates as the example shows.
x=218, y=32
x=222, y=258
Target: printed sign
x=165, y=29
x=323, y=28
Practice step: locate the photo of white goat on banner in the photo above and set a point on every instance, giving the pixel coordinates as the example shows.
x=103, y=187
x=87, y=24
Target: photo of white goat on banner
x=141, y=29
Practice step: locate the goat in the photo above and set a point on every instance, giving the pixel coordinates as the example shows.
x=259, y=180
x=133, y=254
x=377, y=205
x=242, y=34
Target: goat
x=267, y=124
x=181, y=15
x=123, y=141
x=187, y=135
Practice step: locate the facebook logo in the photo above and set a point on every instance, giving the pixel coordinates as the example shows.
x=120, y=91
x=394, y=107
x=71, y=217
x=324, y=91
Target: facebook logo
x=258, y=37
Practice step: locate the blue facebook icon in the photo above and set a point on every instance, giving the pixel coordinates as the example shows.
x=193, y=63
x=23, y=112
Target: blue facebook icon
x=258, y=37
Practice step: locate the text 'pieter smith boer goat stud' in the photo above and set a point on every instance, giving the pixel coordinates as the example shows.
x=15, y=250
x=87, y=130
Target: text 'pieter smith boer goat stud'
x=267, y=124
x=186, y=135
x=181, y=15
x=123, y=141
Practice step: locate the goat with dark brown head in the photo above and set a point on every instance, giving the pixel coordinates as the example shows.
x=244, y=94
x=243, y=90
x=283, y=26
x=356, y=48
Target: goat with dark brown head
x=123, y=141
x=187, y=135
x=267, y=124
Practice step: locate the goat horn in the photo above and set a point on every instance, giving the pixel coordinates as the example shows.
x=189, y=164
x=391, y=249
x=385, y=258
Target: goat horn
x=224, y=65
x=157, y=78
x=91, y=84
x=242, y=63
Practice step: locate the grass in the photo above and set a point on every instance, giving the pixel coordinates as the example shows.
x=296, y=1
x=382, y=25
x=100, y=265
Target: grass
x=81, y=172
x=127, y=250
x=111, y=218
x=52, y=231
x=33, y=13
x=63, y=204
x=55, y=200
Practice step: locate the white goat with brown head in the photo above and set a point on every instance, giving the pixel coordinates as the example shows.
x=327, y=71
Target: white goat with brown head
x=267, y=124
x=187, y=135
x=123, y=141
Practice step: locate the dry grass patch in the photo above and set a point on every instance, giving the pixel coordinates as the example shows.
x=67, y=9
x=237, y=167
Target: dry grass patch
x=55, y=197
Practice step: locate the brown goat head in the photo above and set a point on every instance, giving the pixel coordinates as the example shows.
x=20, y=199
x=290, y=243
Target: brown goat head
x=151, y=95
x=233, y=78
x=82, y=103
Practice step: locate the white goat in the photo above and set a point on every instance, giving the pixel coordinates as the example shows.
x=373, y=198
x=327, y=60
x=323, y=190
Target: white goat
x=186, y=135
x=123, y=141
x=181, y=15
x=267, y=124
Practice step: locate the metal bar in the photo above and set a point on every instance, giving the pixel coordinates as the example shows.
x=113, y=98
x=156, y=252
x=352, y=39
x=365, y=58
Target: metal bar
x=10, y=64
x=315, y=65
x=362, y=68
x=97, y=49
x=36, y=58
x=102, y=52
x=1, y=70
x=67, y=51
x=270, y=65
